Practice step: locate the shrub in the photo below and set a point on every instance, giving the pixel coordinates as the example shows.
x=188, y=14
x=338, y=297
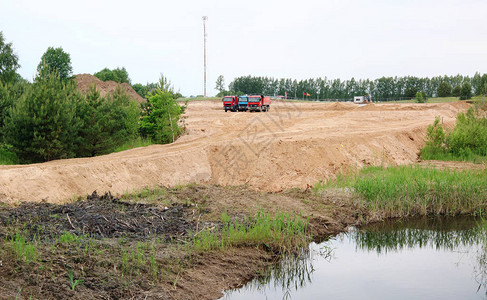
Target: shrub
x=421, y=97
x=435, y=138
x=467, y=141
x=470, y=134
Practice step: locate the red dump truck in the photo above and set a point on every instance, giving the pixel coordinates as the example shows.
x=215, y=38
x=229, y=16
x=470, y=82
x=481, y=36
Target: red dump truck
x=230, y=103
x=259, y=103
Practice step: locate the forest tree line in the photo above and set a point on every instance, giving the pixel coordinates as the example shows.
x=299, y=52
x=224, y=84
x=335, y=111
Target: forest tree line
x=384, y=88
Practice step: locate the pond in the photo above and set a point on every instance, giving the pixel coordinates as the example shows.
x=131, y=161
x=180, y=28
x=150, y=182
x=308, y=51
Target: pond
x=423, y=258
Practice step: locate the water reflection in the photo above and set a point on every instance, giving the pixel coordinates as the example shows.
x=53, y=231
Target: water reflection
x=420, y=258
x=446, y=233
x=293, y=273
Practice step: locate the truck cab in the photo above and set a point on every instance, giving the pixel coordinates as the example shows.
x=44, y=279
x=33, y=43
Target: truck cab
x=243, y=103
x=230, y=103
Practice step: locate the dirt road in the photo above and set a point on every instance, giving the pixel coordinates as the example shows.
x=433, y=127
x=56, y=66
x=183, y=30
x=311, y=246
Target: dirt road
x=293, y=145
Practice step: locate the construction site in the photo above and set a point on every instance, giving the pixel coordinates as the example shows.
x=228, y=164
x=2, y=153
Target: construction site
x=86, y=214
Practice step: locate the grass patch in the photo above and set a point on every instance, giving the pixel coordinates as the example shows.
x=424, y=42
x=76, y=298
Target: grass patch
x=466, y=155
x=146, y=194
x=281, y=233
x=135, y=143
x=415, y=190
x=22, y=249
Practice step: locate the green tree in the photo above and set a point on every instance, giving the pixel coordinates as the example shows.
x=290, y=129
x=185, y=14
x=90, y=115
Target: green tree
x=483, y=85
x=8, y=61
x=107, y=122
x=139, y=89
x=466, y=91
x=220, y=85
x=444, y=89
x=9, y=93
x=55, y=60
x=42, y=125
x=161, y=119
x=457, y=90
x=144, y=90
x=119, y=75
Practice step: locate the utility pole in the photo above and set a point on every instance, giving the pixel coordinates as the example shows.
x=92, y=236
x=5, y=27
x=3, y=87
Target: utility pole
x=205, y=18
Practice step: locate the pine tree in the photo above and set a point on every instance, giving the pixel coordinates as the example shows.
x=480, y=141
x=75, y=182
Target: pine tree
x=42, y=125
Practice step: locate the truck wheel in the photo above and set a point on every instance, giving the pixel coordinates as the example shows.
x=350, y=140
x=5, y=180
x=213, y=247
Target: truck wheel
x=225, y=109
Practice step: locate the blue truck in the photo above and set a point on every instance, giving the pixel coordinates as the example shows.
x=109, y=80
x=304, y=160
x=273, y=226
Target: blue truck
x=243, y=103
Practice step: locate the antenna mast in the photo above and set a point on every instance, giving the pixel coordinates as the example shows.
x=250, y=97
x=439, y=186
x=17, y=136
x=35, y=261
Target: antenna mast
x=205, y=18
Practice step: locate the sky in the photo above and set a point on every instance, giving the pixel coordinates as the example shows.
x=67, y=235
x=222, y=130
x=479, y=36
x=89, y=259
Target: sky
x=297, y=39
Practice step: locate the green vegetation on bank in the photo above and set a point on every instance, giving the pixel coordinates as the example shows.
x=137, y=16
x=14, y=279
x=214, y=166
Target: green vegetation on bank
x=415, y=190
x=280, y=232
x=467, y=141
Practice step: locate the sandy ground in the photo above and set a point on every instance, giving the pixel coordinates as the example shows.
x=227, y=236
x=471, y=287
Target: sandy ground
x=293, y=145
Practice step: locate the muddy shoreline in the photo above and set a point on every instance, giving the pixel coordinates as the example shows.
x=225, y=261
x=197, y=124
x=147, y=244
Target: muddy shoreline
x=90, y=238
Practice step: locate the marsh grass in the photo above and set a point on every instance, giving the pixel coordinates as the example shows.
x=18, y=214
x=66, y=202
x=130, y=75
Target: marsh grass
x=281, y=233
x=415, y=190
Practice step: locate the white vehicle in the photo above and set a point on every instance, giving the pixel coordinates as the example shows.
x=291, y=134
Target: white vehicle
x=362, y=99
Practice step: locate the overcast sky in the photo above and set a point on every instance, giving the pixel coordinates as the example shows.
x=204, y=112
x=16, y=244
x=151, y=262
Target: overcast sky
x=296, y=39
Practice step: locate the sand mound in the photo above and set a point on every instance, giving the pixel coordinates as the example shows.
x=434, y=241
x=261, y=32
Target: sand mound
x=85, y=81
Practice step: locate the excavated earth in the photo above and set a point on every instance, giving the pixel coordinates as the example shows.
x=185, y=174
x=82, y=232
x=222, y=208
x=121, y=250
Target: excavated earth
x=85, y=81
x=293, y=145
